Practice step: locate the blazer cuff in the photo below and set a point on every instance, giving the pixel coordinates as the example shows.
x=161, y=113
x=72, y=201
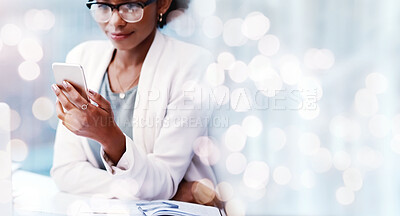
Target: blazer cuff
x=124, y=164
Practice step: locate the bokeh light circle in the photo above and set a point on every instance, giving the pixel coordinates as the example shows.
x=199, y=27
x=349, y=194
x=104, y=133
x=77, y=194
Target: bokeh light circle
x=15, y=120
x=39, y=19
x=269, y=45
x=255, y=25
x=235, y=138
x=239, y=72
x=19, y=150
x=290, y=70
x=226, y=60
x=213, y=26
x=252, y=125
x=282, y=175
x=11, y=34
x=276, y=139
x=215, y=74
x=29, y=70
x=30, y=49
x=319, y=59
x=377, y=83
x=235, y=207
x=205, y=148
x=224, y=191
x=341, y=160
x=342, y=127
x=258, y=68
x=256, y=175
x=345, y=196
x=271, y=85
x=369, y=158
x=232, y=33
x=366, y=103
x=352, y=179
x=236, y=163
x=43, y=108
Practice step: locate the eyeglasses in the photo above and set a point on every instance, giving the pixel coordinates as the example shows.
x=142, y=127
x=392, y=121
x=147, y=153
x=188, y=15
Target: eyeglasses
x=131, y=12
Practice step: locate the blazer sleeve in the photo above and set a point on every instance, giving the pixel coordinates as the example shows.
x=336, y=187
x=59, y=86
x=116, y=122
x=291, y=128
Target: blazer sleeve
x=72, y=170
x=159, y=173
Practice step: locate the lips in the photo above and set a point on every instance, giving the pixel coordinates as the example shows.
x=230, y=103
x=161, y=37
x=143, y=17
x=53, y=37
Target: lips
x=120, y=36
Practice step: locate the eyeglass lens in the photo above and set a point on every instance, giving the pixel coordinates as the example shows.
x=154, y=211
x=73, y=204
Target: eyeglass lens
x=129, y=12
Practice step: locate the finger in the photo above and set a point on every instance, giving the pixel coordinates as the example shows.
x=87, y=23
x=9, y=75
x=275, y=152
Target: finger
x=62, y=98
x=202, y=194
x=73, y=95
x=60, y=111
x=100, y=100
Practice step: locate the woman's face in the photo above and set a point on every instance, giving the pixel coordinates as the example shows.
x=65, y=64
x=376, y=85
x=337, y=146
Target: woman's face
x=128, y=36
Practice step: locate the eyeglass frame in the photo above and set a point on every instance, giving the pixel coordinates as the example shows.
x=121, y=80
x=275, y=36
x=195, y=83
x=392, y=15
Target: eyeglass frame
x=117, y=6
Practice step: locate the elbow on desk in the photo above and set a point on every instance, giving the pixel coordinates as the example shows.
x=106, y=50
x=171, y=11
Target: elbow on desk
x=61, y=182
x=64, y=182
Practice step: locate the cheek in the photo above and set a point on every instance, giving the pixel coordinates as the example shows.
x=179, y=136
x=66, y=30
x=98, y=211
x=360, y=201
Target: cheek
x=102, y=26
x=150, y=17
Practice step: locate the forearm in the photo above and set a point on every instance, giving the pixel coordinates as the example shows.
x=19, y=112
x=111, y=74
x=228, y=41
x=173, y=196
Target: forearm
x=155, y=177
x=82, y=178
x=113, y=144
x=74, y=172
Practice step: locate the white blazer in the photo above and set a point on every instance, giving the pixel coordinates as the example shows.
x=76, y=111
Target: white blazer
x=165, y=126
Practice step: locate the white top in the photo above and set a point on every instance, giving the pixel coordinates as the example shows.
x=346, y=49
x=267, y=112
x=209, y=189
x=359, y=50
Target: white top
x=169, y=120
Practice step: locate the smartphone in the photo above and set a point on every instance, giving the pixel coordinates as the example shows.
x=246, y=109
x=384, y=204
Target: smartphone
x=73, y=73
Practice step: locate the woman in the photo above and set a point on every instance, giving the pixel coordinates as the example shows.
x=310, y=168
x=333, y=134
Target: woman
x=141, y=111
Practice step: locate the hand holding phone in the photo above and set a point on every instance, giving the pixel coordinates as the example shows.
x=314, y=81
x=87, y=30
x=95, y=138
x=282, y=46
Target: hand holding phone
x=72, y=73
x=82, y=117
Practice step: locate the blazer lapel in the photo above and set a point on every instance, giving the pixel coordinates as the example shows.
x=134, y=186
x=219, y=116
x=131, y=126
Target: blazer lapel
x=144, y=136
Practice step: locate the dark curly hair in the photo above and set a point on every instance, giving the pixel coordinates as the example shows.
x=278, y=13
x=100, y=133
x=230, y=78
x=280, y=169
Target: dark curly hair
x=175, y=4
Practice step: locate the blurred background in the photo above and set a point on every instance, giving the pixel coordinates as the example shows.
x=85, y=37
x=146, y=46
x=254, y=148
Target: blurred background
x=307, y=122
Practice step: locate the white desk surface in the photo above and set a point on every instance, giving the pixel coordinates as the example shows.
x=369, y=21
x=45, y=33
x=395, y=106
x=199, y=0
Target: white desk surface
x=35, y=194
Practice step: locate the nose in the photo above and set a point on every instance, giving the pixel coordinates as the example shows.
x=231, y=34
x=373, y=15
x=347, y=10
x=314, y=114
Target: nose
x=116, y=19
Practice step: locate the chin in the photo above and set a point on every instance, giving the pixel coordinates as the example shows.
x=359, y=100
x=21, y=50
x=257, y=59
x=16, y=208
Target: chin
x=122, y=45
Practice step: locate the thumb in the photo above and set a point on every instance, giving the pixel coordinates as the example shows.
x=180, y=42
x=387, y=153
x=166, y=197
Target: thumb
x=100, y=100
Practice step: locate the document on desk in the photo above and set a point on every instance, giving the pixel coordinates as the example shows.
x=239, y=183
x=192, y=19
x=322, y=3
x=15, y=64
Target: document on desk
x=175, y=208
x=38, y=194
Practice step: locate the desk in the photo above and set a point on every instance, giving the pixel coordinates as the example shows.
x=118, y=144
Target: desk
x=38, y=195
